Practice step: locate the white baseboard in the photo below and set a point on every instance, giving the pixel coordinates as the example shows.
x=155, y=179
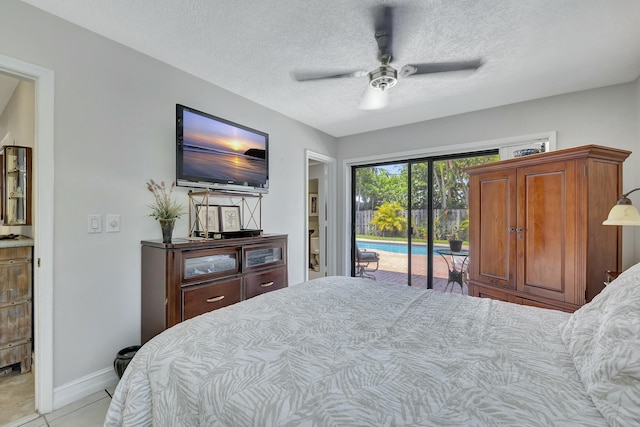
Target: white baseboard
x=83, y=387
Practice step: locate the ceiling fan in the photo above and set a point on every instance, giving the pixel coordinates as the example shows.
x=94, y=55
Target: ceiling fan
x=385, y=76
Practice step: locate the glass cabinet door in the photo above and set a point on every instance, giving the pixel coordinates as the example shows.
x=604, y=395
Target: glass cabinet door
x=16, y=185
x=259, y=256
x=210, y=264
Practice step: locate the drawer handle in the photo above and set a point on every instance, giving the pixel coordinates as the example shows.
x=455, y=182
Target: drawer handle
x=216, y=299
x=266, y=285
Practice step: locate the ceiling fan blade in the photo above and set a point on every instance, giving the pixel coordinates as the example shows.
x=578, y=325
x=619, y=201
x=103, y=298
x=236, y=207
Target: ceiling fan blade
x=303, y=76
x=439, y=67
x=384, y=33
x=374, y=99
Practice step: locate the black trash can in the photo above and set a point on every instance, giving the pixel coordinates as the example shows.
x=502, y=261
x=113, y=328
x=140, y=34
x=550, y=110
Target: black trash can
x=123, y=358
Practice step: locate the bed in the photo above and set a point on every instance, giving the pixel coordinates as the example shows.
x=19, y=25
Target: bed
x=344, y=351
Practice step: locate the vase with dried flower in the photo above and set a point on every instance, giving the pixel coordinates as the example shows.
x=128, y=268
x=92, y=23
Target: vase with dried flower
x=164, y=209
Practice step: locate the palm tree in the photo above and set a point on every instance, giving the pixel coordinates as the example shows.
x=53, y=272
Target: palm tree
x=388, y=218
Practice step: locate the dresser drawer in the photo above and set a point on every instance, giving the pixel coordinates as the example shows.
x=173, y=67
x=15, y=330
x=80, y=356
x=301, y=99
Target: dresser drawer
x=15, y=323
x=492, y=293
x=15, y=253
x=260, y=283
x=498, y=294
x=15, y=280
x=17, y=353
x=208, y=297
x=541, y=304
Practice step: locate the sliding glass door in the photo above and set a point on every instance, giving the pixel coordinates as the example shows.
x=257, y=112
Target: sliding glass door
x=419, y=197
x=403, y=216
x=381, y=249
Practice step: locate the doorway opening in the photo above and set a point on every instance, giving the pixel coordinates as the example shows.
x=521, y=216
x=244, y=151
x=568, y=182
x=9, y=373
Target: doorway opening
x=320, y=215
x=43, y=190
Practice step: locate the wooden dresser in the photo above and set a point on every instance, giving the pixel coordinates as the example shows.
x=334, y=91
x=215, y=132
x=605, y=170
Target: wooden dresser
x=16, y=303
x=536, y=235
x=186, y=278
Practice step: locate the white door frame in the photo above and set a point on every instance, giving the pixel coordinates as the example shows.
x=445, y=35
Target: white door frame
x=43, y=189
x=330, y=221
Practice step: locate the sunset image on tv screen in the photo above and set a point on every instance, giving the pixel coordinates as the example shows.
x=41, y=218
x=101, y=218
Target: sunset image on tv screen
x=222, y=152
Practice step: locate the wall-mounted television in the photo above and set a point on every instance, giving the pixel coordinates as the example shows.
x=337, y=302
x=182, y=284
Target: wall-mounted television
x=218, y=154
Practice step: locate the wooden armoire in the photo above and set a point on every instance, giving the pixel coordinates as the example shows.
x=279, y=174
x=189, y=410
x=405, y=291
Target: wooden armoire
x=536, y=235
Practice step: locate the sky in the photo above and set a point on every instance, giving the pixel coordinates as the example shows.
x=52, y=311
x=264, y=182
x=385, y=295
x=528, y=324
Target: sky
x=206, y=132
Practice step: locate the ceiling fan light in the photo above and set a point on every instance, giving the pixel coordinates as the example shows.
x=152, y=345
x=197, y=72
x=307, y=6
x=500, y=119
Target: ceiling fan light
x=383, y=78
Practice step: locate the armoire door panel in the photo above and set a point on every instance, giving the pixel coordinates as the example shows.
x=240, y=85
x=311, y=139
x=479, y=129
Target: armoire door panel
x=546, y=199
x=494, y=255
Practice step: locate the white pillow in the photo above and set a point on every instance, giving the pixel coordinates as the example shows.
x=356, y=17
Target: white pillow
x=603, y=338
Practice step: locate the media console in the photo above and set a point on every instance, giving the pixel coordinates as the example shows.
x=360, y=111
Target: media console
x=189, y=277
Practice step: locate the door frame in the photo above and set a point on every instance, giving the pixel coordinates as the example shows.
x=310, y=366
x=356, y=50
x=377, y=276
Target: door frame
x=328, y=245
x=43, y=189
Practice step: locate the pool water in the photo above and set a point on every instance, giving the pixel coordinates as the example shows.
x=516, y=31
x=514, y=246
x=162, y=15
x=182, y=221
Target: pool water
x=399, y=248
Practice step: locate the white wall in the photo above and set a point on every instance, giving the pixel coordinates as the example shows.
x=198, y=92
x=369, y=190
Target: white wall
x=114, y=129
x=606, y=116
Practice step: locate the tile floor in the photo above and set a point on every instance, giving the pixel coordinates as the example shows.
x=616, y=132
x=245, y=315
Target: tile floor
x=87, y=412
x=16, y=395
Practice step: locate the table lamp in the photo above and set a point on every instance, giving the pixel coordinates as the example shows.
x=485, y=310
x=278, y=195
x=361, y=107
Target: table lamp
x=623, y=213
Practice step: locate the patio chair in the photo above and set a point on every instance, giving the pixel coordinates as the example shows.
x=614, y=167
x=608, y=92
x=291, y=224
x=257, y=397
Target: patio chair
x=366, y=263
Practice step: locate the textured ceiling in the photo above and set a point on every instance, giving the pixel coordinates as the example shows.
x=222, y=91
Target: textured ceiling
x=531, y=49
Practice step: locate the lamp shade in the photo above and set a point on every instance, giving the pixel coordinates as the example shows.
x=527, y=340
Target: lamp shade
x=623, y=213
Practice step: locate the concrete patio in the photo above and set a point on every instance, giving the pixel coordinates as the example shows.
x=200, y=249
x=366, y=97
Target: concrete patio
x=393, y=269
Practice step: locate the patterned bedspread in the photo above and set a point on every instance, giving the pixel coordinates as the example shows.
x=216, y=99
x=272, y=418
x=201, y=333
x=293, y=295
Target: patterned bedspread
x=343, y=351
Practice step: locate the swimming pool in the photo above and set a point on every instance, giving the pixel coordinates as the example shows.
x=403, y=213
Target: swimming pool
x=399, y=248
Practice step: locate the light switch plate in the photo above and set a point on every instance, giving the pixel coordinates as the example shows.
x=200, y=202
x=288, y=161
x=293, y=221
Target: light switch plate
x=94, y=223
x=113, y=223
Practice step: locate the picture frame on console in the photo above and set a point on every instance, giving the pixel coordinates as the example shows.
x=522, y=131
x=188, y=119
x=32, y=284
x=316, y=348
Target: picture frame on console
x=208, y=218
x=230, y=218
